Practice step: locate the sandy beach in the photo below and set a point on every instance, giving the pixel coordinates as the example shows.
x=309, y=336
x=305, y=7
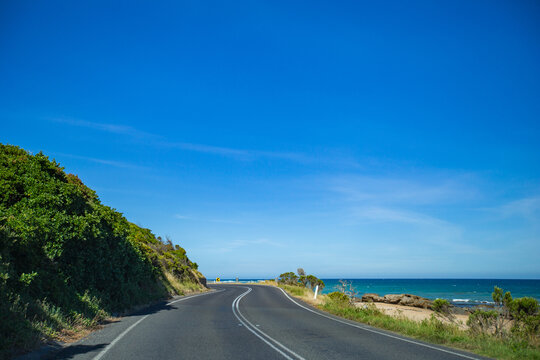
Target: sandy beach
x=414, y=313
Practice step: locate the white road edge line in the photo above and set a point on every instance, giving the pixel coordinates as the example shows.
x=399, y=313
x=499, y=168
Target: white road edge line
x=263, y=333
x=378, y=332
x=109, y=347
x=254, y=329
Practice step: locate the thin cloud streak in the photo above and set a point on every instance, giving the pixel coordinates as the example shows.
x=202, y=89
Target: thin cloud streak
x=110, y=128
x=528, y=208
x=238, y=154
x=431, y=189
x=119, y=164
x=380, y=214
x=236, y=244
x=428, y=230
x=207, y=149
x=220, y=221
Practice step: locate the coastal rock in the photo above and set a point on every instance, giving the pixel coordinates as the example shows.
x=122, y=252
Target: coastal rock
x=399, y=299
x=408, y=300
x=416, y=301
x=392, y=298
x=372, y=298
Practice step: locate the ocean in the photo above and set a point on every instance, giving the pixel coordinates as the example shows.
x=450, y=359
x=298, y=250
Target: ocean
x=461, y=292
x=457, y=291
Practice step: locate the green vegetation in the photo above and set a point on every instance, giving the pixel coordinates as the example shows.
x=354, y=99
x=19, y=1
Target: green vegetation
x=483, y=337
x=435, y=331
x=521, y=316
x=302, y=280
x=443, y=309
x=339, y=298
x=295, y=289
x=289, y=278
x=518, y=338
x=441, y=306
x=345, y=287
x=66, y=260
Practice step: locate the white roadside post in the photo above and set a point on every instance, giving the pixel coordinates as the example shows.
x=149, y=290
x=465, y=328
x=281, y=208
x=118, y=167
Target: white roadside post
x=316, y=291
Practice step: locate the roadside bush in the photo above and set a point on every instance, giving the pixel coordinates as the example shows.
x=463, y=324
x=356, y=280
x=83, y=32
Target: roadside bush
x=443, y=309
x=347, y=288
x=338, y=297
x=481, y=321
x=441, y=306
x=525, y=312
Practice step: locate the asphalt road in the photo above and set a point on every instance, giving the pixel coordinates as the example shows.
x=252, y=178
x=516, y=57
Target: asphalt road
x=246, y=322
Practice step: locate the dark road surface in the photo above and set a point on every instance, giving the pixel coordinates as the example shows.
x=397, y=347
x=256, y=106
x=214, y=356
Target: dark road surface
x=246, y=322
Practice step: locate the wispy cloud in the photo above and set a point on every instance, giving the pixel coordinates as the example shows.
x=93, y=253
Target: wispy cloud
x=207, y=149
x=183, y=217
x=241, y=154
x=402, y=204
x=528, y=208
x=424, y=229
x=193, y=218
x=236, y=244
x=380, y=214
x=238, y=154
x=119, y=164
x=110, y=128
x=427, y=189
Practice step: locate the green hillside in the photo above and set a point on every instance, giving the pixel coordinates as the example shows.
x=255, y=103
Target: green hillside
x=67, y=261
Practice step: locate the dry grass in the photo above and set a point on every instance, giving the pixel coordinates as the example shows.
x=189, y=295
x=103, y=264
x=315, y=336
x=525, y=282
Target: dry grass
x=80, y=331
x=182, y=287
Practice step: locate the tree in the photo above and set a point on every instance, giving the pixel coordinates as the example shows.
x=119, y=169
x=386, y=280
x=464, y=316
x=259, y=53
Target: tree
x=302, y=276
x=503, y=300
x=288, y=278
x=346, y=288
x=312, y=280
x=442, y=308
x=321, y=284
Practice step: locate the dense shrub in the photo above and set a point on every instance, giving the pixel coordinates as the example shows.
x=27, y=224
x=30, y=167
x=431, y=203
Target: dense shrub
x=441, y=306
x=481, y=321
x=65, y=256
x=526, y=314
x=338, y=297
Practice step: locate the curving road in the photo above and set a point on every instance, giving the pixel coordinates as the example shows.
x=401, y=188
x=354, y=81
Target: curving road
x=246, y=322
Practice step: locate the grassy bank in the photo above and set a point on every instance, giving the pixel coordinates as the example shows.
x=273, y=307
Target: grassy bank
x=432, y=330
x=67, y=261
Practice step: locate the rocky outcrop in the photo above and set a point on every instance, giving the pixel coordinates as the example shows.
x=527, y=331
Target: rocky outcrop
x=399, y=299
x=372, y=298
x=392, y=298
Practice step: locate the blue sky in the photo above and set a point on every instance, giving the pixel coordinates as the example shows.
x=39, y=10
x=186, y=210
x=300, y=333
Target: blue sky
x=353, y=139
